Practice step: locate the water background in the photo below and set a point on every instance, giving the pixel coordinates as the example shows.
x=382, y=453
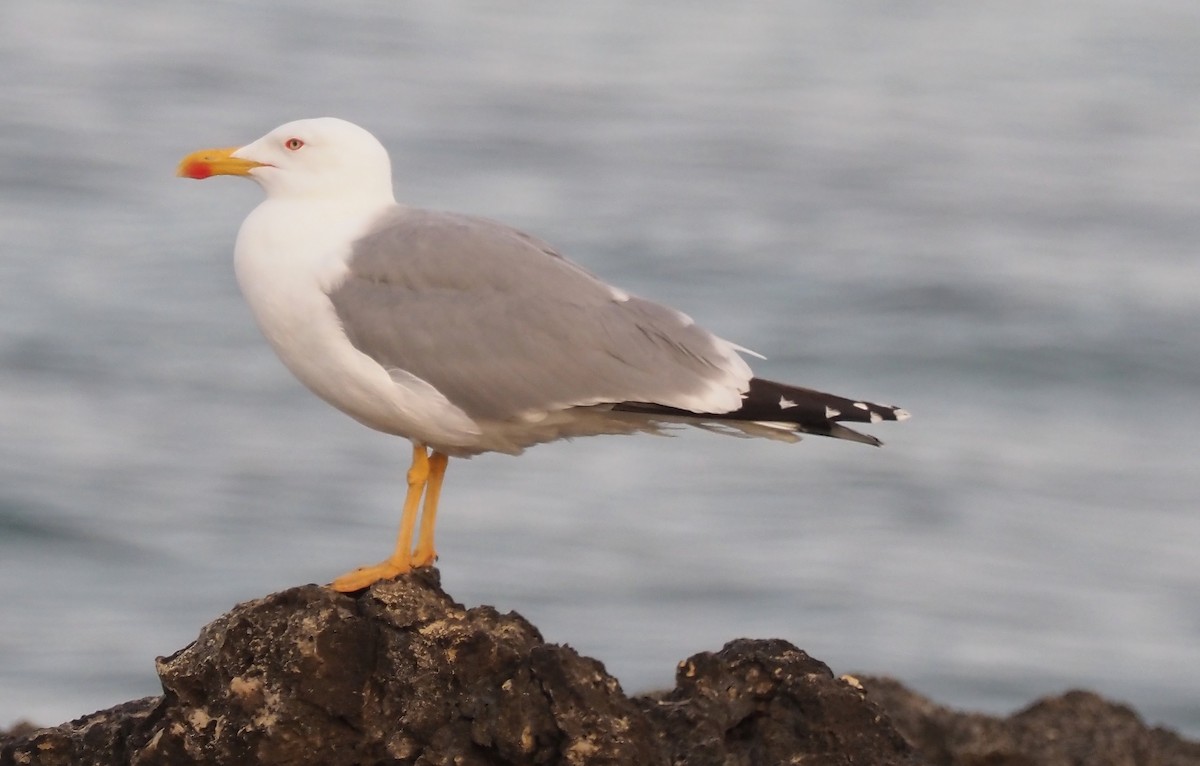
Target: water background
x=984, y=212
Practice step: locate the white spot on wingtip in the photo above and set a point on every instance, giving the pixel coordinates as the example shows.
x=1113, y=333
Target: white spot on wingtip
x=831, y=413
x=861, y=405
x=902, y=414
x=876, y=417
x=618, y=295
x=785, y=403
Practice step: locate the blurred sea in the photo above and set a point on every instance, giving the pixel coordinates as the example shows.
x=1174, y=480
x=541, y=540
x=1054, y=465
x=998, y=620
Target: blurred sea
x=988, y=213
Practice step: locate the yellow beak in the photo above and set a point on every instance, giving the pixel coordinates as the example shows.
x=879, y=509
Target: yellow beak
x=215, y=162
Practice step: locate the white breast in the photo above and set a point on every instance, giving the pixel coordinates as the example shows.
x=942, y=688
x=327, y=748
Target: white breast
x=289, y=254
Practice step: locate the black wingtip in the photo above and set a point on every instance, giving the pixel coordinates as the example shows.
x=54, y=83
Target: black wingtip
x=806, y=410
x=768, y=400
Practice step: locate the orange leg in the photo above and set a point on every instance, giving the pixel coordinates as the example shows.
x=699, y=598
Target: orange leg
x=399, y=562
x=425, y=554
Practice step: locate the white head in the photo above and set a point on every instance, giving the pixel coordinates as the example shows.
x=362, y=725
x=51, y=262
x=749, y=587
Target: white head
x=307, y=159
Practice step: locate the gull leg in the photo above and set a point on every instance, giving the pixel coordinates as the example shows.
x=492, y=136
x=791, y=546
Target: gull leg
x=425, y=554
x=398, y=562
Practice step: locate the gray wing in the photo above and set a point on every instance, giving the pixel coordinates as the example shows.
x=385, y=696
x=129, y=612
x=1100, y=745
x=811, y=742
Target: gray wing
x=503, y=326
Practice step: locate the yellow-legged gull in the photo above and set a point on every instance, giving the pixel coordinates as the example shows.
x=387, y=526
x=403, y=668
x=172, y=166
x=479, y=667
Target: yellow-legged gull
x=464, y=335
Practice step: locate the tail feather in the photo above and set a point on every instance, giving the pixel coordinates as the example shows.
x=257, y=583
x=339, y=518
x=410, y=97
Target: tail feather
x=803, y=410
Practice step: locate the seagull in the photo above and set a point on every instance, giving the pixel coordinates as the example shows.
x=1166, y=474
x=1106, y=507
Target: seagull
x=464, y=335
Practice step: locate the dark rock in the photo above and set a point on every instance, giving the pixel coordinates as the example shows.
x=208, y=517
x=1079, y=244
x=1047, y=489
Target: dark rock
x=99, y=738
x=767, y=702
x=18, y=729
x=400, y=674
x=1068, y=730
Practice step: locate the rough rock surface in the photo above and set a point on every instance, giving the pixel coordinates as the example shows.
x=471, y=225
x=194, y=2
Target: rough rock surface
x=400, y=674
x=1067, y=730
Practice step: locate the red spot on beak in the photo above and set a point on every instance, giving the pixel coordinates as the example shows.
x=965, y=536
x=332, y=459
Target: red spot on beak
x=197, y=170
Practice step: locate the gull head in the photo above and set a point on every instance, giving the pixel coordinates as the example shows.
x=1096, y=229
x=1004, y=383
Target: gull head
x=322, y=158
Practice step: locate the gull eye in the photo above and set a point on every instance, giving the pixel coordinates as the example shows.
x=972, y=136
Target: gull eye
x=293, y=144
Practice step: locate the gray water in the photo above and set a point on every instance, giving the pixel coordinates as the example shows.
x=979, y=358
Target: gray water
x=984, y=212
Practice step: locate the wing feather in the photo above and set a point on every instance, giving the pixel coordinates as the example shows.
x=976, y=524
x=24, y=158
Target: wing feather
x=505, y=327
